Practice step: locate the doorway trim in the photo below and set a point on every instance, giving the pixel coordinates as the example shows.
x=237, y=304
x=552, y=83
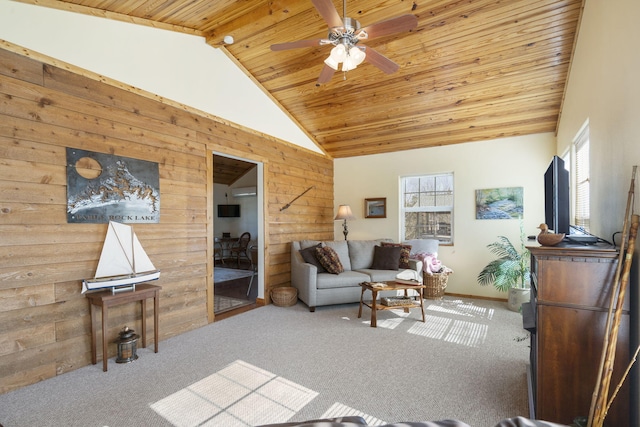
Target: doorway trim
x=261, y=215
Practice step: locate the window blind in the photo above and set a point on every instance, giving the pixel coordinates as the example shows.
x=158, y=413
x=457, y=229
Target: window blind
x=582, y=213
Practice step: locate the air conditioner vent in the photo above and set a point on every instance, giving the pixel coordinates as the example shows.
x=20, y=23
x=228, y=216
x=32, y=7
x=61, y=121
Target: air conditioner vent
x=243, y=191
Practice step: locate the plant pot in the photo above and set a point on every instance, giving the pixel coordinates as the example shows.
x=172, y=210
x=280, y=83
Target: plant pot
x=518, y=296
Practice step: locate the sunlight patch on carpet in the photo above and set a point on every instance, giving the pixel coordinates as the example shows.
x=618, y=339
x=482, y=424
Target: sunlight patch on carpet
x=465, y=333
x=238, y=395
x=461, y=308
x=387, y=323
x=339, y=410
x=434, y=327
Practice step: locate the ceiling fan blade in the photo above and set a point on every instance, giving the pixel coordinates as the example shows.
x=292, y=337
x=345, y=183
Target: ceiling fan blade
x=380, y=61
x=325, y=75
x=295, y=45
x=391, y=26
x=327, y=10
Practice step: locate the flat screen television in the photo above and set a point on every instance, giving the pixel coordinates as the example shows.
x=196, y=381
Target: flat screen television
x=557, y=201
x=228, y=211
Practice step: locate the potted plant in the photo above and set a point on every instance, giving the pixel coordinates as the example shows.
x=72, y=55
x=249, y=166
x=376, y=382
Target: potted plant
x=510, y=272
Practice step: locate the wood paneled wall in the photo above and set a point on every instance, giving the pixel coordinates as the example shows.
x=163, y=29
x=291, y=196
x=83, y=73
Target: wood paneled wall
x=44, y=108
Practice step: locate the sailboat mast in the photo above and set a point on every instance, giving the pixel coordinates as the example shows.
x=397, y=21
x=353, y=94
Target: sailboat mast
x=133, y=250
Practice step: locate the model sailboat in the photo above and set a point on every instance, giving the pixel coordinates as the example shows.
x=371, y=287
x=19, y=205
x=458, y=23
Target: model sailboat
x=123, y=262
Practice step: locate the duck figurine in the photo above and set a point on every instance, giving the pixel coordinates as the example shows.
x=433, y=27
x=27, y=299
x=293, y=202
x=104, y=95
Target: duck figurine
x=546, y=238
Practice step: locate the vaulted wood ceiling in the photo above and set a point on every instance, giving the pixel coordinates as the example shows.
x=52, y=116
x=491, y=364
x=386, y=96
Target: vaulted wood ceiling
x=227, y=170
x=472, y=70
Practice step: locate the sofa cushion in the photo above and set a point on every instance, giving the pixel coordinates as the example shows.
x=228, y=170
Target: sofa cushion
x=329, y=259
x=380, y=275
x=361, y=253
x=309, y=256
x=429, y=246
x=405, y=252
x=341, y=248
x=386, y=257
x=348, y=279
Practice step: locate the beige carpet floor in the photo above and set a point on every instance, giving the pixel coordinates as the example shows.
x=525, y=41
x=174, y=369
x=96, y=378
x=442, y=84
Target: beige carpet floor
x=273, y=364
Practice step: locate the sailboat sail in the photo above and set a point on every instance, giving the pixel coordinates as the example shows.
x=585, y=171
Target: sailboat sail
x=123, y=261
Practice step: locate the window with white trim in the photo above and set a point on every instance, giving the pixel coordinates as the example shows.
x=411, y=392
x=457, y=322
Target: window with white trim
x=581, y=216
x=427, y=207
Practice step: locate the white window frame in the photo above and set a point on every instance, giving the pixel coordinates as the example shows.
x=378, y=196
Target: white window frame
x=449, y=208
x=580, y=177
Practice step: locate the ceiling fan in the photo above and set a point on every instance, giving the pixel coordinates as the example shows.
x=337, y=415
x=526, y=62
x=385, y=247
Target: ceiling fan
x=345, y=34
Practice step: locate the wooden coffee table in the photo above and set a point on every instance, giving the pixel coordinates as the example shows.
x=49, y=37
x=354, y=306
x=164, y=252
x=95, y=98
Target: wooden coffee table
x=389, y=286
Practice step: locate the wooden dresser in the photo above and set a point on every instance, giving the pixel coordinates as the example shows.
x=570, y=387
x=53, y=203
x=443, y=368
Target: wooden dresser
x=571, y=290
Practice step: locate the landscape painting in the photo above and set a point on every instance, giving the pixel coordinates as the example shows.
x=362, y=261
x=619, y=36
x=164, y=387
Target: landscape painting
x=500, y=203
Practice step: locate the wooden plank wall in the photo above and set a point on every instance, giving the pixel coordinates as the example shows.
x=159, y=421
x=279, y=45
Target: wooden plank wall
x=44, y=319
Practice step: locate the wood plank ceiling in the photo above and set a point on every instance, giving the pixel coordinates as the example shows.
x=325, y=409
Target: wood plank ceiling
x=472, y=70
x=227, y=170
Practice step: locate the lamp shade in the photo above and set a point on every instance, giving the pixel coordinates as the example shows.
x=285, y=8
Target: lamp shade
x=344, y=212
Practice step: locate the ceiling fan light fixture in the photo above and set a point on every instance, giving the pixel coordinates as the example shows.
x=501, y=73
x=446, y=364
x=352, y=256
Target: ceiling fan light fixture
x=348, y=64
x=339, y=53
x=332, y=62
x=344, y=33
x=357, y=55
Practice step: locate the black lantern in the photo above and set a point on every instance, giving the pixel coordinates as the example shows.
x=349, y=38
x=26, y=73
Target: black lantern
x=127, y=341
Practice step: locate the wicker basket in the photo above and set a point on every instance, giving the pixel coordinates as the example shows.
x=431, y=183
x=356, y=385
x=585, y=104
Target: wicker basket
x=284, y=296
x=435, y=285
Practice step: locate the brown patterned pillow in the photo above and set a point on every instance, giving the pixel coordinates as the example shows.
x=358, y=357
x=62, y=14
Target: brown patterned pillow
x=404, y=253
x=309, y=256
x=329, y=259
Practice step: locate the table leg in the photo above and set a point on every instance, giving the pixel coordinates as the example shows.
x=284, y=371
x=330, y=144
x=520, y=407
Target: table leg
x=422, y=303
x=156, y=307
x=406, y=294
x=361, y=301
x=105, y=316
x=94, y=331
x=143, y=303
x=374, y=309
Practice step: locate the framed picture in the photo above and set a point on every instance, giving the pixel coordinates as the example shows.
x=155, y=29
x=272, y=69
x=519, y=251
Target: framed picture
x=375, y=208
x=499, y=203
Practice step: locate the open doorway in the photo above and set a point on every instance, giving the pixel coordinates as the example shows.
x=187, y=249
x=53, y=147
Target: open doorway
x=238, y=233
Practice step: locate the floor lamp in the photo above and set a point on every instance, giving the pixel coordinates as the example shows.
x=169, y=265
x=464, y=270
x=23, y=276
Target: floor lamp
x=344, y=213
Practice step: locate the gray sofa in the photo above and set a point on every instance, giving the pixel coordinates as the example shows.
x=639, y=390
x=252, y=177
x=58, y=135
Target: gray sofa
x=318, y=289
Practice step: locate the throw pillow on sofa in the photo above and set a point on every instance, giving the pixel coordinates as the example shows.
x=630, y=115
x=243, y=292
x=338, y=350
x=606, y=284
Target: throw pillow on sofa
x=361, y=253
x=329, y=259
x=405, y=252
x=309, y=256
x=386, y=257
x=342, y=250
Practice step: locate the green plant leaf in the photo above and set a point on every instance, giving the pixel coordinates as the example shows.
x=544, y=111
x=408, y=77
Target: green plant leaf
x=511, y=269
